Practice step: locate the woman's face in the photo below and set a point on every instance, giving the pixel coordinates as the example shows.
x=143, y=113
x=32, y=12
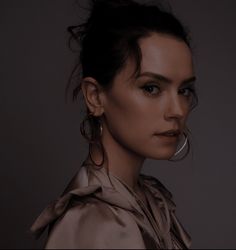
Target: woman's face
x=136, y=109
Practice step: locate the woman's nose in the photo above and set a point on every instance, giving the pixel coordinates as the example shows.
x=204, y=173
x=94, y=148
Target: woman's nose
x=175, y=108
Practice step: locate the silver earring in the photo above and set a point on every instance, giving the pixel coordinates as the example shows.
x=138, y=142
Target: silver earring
x=177, y=152
x=186, y=139
x=101, y=128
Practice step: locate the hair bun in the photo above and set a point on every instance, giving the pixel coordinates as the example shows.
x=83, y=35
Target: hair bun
x=110, y=7
x=111, y=4
x=106, y=13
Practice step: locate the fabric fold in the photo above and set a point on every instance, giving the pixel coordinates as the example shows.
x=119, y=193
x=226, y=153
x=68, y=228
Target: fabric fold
x=57, y=207
x=91, y=186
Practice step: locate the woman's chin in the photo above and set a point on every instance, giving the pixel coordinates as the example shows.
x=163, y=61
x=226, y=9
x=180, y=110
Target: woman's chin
x=164, y=154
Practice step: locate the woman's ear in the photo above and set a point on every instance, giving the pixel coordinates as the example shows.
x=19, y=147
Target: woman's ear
x=92, y=92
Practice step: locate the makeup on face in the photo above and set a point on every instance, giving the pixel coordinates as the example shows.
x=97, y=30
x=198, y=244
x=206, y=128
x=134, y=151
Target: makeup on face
x=154, y=85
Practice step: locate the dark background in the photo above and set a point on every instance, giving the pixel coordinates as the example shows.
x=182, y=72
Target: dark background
x=41, y=146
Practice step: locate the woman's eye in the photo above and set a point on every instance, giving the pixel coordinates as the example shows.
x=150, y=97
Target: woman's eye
x=188, y=92
x=150, y=88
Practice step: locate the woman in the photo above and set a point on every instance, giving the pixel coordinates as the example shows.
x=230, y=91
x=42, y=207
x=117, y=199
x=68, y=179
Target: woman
x=137, y=79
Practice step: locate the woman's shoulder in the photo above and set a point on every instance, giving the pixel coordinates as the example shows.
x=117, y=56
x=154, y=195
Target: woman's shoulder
x=58, y=207
x=93, y=224
x=79, y=219
x=76, y=225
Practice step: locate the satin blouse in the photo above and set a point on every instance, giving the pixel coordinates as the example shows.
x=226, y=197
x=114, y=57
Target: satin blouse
x=99, y=211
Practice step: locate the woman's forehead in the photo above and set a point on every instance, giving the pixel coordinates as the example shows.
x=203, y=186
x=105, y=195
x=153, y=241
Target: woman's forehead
x=163, y=55
x=166, y=55
x=164, y=52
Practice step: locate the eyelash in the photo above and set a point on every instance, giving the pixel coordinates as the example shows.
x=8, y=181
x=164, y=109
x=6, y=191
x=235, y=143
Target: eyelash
x=191, y=89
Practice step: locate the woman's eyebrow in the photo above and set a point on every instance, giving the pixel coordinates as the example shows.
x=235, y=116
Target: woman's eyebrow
x=165, y=79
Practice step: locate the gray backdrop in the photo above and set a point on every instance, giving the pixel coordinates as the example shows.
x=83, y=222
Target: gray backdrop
x=41, y=146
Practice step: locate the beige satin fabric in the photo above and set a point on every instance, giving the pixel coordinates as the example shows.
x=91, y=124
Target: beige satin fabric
x=100, y=212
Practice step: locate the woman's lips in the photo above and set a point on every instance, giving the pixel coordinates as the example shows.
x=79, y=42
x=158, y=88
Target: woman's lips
x=167, y=137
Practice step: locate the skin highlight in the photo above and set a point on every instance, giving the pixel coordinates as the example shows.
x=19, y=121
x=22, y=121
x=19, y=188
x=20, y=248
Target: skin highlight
x=137, y=108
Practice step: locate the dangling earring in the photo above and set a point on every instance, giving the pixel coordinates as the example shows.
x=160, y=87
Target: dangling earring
x=186, y=139
x=185, y=142
x=101, y=128
x=93, y=138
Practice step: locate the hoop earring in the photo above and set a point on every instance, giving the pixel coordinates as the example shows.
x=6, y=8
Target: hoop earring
x=185, y=142
x=93, y=138
x=186, y=139
x=83, y=132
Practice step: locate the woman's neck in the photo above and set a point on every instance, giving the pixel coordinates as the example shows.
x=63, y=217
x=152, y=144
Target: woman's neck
x=120, y=161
